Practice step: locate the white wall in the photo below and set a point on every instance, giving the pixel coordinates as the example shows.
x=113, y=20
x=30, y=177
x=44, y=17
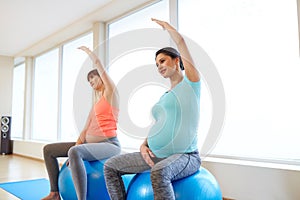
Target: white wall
x=250, y=182
x=6, y=77
x=29, y=149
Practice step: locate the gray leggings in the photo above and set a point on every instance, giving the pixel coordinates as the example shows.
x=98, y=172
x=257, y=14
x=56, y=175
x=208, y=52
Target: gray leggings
x=163, y=172
x=77, y=154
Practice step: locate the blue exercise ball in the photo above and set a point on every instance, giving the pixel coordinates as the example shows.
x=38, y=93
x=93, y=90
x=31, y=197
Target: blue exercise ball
x=200, y=186
x=96, y=188
x=140, y=187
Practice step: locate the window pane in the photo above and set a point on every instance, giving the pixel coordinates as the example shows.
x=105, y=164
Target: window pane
x=140, y=19
x=138, y=108
x=45, y=100
x=73, y=59
x=18, y=101
x=136, y=103
x=257, y=56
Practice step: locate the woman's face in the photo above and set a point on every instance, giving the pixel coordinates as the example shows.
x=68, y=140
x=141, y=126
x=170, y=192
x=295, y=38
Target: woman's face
x=95, y=81
x=166, y=65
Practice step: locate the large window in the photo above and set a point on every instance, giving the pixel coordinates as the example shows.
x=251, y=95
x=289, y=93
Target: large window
x=73, y=60
x=132, y=130
x=18, y=101
x=55, y=76
x=45, y=99
x=256, y=53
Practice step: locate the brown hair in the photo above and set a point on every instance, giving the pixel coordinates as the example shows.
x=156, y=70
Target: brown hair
x=93, y=72
x=173, y=53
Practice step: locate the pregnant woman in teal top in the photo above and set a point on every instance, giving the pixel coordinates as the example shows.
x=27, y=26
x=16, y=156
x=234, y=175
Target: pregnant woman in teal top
x=170, y=150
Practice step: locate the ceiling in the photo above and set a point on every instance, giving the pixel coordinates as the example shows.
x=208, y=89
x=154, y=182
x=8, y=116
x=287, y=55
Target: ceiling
x=24, y=24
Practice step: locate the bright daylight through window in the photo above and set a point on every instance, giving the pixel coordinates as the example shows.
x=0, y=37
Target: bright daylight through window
x=256, y=52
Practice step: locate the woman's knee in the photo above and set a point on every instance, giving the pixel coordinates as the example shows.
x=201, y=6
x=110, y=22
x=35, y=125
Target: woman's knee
x=107, y=169
x=73, y=152
x=48, y=149
x=159, y=175
x=111, y=163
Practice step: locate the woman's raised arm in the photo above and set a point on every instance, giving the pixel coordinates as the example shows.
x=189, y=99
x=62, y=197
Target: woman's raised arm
x=190, y=70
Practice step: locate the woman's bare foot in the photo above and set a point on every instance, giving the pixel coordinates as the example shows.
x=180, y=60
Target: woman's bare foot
x=52, y=196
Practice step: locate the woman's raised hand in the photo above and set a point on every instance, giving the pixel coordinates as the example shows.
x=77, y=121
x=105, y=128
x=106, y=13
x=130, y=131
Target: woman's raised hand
x=94, y=58
x=163, y=24
x=84, y=48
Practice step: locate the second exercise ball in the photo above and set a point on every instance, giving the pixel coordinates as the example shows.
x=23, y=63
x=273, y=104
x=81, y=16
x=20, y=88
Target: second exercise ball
x=199, y=186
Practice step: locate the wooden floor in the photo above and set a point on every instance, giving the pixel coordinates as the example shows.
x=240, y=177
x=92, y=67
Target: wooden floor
x=17, y=168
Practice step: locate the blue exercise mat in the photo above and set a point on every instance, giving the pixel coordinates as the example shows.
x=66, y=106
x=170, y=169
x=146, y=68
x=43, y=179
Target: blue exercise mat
x=29, y=189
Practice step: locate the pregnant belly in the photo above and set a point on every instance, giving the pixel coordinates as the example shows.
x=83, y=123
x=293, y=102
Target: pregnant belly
x=95, y=138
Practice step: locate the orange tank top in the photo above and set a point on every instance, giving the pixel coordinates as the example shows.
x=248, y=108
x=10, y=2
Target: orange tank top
x=106, y=118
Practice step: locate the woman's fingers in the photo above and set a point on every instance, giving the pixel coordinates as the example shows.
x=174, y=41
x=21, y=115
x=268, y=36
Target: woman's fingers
x=147, y=159
x=163, y=24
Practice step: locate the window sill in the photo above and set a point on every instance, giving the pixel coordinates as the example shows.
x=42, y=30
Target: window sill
x=252, y=162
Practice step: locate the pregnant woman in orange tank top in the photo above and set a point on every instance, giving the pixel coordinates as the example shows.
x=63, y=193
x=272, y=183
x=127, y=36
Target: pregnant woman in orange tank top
x=97, y=141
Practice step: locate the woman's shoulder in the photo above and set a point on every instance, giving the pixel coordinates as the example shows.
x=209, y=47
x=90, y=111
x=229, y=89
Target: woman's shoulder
x=187, y=80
